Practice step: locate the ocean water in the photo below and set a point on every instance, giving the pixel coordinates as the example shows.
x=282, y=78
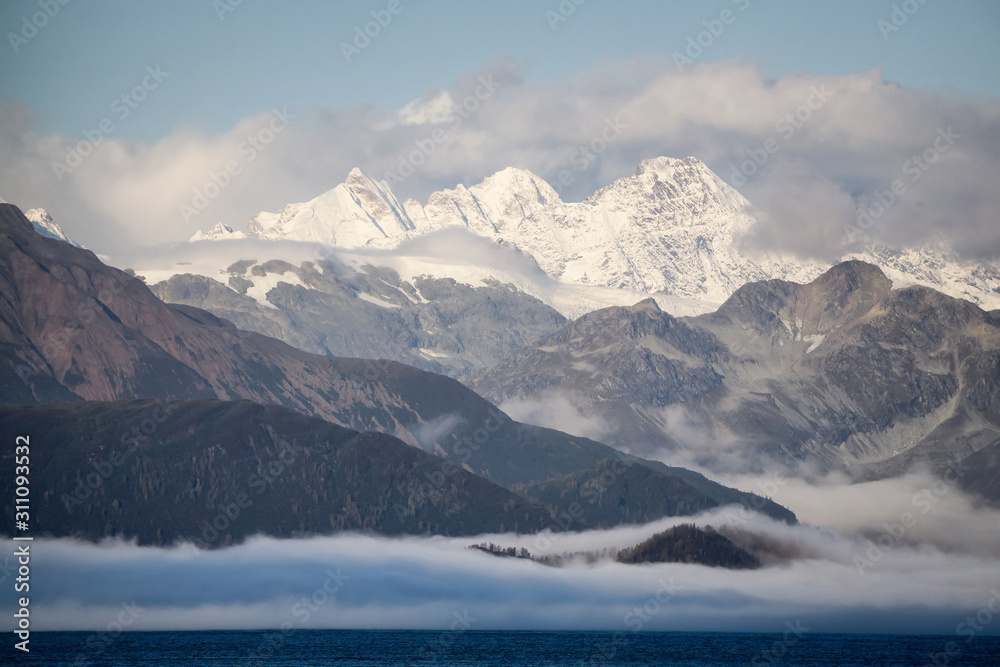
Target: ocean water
x=377, y=648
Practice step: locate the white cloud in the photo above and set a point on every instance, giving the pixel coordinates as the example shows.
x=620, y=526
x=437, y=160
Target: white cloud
x=561, y=410
x=434, y=108
x=853, y=135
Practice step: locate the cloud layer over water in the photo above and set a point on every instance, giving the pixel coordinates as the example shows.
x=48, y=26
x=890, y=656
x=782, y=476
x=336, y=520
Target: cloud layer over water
x=357, y=581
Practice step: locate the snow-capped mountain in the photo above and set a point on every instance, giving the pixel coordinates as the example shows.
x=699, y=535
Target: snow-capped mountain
x=220, y=232
x=46, y=226
x=671, y=228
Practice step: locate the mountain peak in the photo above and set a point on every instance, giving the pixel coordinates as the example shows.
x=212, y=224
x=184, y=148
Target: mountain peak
x=357, y=177
x=218, y=233
x=648, y=306
x=518, y=182
x=674, y=226
x=46, y=226
x=840, y=294
x=667, y=166
x=855, y=274
x=508, y=174
x=13, y=220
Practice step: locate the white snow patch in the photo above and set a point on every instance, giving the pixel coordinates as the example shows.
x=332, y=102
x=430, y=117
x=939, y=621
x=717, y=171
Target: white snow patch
x=814, y=340
x=434, y=353
x=264, y=284
x=382, y=303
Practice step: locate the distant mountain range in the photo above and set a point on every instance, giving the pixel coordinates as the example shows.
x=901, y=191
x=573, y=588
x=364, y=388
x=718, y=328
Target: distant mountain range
x=79, y=333
x=453, y=285
x=752, y=359
x=673, y=228
x=842, y=373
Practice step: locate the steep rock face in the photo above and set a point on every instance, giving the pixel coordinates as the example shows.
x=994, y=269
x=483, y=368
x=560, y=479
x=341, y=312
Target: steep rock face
x=654, y=231
x=435, y=324
x=358, y=212
x=631, y=361
x=844, y=372
x=673, y=230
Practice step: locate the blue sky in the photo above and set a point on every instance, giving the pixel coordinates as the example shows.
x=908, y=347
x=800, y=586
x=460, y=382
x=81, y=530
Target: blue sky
x=265, y=54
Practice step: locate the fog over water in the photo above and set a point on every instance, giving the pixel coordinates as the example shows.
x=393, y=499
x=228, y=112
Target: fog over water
x=851, y=566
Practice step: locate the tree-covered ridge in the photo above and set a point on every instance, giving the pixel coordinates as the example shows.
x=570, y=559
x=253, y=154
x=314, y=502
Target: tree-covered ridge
x=687, y=543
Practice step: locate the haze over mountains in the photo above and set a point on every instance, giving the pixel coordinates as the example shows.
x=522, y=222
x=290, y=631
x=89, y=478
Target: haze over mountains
x=846, y=372
x=860, y=367
x=843, y=373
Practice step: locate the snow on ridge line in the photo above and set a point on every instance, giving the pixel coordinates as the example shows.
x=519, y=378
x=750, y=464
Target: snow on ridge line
x=43, y=224
x=672, y=227
x=218, y=233
x=612, y=247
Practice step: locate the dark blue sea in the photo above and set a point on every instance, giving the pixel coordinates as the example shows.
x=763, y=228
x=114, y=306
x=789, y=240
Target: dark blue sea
x=376, y=648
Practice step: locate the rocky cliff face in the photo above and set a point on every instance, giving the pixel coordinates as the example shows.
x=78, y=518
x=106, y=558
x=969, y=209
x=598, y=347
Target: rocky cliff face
x=436, y=324
x=843, y=372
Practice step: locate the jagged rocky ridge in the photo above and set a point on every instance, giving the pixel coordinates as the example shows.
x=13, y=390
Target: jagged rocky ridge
x=844, y=372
